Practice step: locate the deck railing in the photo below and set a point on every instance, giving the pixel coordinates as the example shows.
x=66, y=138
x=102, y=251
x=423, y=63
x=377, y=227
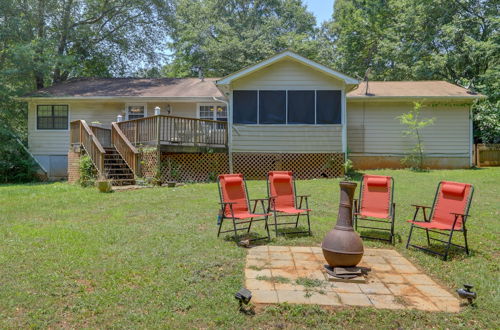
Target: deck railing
x=81, y=133
x=172, y=130
x=102, y=134
x=122, y=144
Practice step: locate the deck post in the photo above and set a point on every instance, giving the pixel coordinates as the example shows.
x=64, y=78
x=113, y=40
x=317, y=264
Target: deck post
x=136, y=133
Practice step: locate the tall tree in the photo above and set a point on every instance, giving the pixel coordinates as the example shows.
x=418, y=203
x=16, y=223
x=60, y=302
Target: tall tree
x=49, y=41
x=222, y=36
x=454, y=40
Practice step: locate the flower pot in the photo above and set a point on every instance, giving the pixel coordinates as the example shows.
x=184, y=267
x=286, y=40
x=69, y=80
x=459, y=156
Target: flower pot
x=104, y=186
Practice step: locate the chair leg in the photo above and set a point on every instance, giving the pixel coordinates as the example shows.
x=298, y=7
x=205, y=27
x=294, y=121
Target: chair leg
x=448, y=246
x=308, y=223
x=267, y=229
x=275, y=224
x=466, y=244
x=297, y=222
x=249, y=225
x=220, y=226
x=235, y=230
x=428, y=238
x=409, y=236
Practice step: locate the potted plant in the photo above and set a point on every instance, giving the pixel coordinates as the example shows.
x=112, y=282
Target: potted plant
x=104, y=185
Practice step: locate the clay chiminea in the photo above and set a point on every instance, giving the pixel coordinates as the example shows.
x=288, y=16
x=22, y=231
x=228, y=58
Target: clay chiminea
x=342, y=246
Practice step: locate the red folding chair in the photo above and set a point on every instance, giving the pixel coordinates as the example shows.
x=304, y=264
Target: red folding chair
x=376, y=204
x=283, y=200
x=449, y=213
x=235, y=205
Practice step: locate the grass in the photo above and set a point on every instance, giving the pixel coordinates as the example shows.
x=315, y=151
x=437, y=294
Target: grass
x=71, y=257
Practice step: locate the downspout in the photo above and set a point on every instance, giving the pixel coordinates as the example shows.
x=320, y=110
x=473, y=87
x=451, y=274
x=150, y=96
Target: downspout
x=344, y=124
x=471, y=137
x=229, y=132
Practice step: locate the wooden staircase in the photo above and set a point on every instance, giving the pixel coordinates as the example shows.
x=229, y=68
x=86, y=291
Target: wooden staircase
x=116, y=169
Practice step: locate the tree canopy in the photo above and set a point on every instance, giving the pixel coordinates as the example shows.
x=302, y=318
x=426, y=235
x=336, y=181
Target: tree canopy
x=43, y=42
x=220, y=37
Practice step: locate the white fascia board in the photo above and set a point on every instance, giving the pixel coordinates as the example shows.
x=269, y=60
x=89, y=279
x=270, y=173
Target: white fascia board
x=119, y=99
x=228, y=79
x=412, y=98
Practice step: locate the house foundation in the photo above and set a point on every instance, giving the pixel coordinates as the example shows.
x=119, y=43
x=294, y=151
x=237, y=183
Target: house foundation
x=74, y=164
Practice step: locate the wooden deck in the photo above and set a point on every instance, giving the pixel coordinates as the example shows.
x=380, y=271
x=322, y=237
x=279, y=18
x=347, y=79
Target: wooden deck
x=167, y=134
x=176, y=134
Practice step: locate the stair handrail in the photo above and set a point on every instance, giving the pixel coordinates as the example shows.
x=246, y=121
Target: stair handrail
x=127, y=151
x=89, y=142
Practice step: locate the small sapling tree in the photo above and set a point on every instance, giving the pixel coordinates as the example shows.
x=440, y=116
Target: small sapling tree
x=413, y=129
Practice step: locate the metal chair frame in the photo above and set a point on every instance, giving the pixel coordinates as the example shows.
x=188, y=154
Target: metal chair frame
x=277, y=214
x=448, y=243
x=236, y=221
x=391, y=220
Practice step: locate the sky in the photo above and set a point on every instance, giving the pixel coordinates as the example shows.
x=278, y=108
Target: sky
x=322, y=9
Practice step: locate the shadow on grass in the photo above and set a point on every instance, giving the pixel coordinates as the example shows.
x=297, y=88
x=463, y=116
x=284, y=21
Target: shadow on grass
x=379, y=236
x=292, y=232
x=252, y=238
x=454, y=253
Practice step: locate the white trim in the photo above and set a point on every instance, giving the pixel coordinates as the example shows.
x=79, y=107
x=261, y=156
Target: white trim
x=214, y=104
x=125, y=99
x=471, y=137
x=51, y=130
x=127, y=105
x=287, y=54
x=411, y=98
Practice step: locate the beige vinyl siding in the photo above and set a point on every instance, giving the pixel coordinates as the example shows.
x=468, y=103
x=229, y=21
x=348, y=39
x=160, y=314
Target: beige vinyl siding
x=287, y=74
x=287, y=138
x=373, y=129
x=56, y=142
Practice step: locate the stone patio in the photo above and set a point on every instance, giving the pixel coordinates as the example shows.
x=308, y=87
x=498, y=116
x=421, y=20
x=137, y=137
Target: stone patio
x=278, y=274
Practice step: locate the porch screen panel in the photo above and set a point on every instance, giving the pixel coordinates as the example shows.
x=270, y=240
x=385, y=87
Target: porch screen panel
x=245, y=107
x=272, y=107
x=329, y=107
x=300, y=107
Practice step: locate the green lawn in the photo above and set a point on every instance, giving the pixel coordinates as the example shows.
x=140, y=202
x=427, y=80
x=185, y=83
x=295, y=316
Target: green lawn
x=71, y=257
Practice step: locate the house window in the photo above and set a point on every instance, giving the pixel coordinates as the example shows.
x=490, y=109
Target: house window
x=135, y=111
x=213, y=112
x=272, y=107
x=307, y=107
x=245, y=107
x=301, y=107
x=52, y=117
x=328, y=107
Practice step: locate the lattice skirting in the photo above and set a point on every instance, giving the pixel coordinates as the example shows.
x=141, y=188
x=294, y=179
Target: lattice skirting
x=304, y=166
x=207, y=166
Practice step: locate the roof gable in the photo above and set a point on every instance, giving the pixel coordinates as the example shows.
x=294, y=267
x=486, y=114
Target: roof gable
x=280, y=57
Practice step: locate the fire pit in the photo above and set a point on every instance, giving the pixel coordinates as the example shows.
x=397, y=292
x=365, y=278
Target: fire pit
x=342, y=246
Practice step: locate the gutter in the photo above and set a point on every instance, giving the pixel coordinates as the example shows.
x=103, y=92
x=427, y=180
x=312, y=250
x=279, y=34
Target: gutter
x=229, y=133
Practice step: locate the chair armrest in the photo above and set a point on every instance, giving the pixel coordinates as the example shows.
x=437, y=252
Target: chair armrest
x=304, y=196
x=421, y=206
x=460, y=214
x=258, y=199
x=227, y=203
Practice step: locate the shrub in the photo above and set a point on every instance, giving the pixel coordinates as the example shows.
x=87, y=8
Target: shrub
x=87, y=171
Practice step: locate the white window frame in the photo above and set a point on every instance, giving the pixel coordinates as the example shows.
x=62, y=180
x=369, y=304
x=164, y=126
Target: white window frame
x=215, y=105
x=128, y=105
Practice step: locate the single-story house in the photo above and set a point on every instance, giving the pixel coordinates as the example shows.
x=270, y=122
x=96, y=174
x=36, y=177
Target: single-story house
x=286, y=112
